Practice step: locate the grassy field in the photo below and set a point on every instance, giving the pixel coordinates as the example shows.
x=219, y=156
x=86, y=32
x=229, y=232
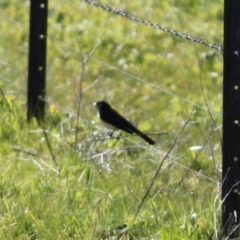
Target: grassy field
x=68, y=179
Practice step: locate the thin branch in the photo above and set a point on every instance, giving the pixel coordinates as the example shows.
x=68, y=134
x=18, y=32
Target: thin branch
x=8, y=105
x=80, y=91
x=48, y=144
x=204, y=96
x=161, y=164
x=28, y=152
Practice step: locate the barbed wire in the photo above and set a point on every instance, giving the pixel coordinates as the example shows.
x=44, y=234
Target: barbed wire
x=154, y=25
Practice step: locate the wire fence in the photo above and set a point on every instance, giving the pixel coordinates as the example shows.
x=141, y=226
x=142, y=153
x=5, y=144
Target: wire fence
x=154, y=25
x=159, y=81
x=125, y=73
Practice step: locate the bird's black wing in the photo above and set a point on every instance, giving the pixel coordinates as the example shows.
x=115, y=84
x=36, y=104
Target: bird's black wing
x=112, y=117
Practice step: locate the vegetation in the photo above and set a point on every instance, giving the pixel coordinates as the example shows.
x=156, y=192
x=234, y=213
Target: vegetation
x=67, y=179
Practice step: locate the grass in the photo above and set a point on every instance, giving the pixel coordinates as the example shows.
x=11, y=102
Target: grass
x=68, y=180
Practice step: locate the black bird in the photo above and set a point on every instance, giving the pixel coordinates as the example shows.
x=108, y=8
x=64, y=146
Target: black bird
x=113, y=120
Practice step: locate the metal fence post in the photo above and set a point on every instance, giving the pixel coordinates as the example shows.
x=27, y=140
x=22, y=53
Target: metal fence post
x=37, y=59
x=231, y=121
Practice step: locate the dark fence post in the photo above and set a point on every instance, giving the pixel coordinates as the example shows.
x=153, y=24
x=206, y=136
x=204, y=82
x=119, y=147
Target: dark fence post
x=231, y=121
x=37, y=59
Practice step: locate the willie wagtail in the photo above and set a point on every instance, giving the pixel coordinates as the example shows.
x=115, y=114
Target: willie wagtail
x=113, y=120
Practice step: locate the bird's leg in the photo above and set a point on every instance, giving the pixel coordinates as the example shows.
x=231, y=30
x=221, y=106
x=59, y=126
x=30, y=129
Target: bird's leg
x=110, y=133
x=119, y=136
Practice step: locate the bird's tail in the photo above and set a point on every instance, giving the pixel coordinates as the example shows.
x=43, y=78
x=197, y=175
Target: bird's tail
x=144, y=136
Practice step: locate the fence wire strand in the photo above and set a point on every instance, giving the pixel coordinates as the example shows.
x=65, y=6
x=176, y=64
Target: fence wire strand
x=154, y=25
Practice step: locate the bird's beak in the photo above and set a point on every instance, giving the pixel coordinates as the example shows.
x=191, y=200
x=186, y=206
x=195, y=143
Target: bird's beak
x=94, y=103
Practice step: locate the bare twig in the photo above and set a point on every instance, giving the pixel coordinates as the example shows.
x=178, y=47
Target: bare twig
x=204, y=96
x=28, y=152
x=80, y=90
x=48, y=144
x=8, y=105
x=194, y=161
x=207, y=105
x=161, y=164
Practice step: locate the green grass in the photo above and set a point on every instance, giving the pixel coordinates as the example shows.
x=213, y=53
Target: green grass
x=96, y=186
